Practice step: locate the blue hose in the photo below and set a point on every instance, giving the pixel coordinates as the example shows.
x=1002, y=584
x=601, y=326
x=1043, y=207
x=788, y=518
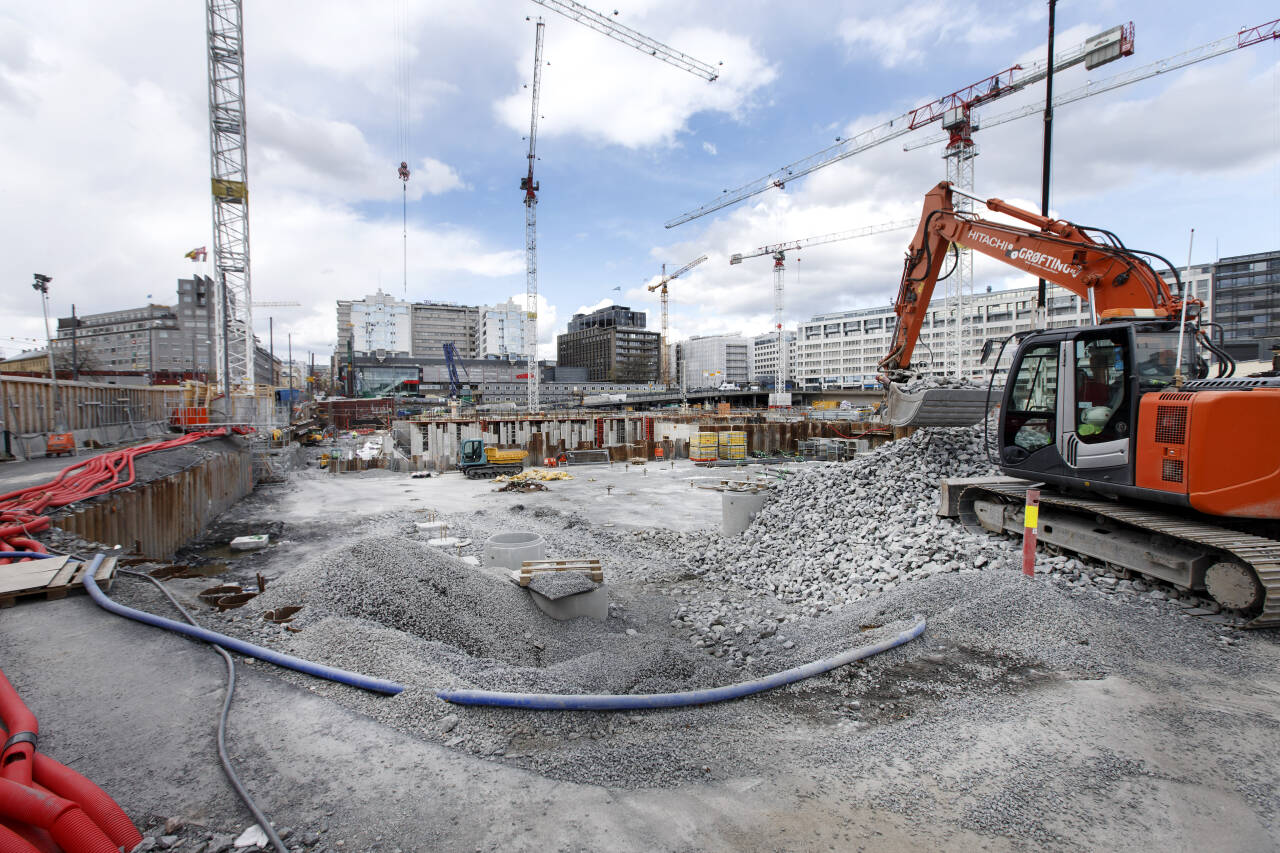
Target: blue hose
x=342, y=676
x=592, y=702
x=532, y=701
x=18, y=555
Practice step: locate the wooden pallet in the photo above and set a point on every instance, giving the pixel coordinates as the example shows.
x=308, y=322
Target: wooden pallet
x=49, y=579
x=529, y=568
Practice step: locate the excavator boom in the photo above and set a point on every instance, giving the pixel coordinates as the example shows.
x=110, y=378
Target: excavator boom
x=1117, y=282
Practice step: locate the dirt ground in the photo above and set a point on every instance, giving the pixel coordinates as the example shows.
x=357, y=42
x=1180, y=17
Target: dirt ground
x=1131, y=727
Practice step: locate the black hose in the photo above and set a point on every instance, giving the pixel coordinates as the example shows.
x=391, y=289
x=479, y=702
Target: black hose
x=991, y=384
x=244, y=795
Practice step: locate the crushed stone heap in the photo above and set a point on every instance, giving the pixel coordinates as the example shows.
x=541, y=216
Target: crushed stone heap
x=835, y=533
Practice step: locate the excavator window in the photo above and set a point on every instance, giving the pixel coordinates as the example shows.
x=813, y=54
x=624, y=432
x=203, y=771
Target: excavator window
x=1157, y=356
x=1032, y=418
x=1101, y=371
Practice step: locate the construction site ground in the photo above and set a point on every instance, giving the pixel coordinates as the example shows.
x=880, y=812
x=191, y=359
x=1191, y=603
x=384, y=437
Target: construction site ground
x=1033, y=713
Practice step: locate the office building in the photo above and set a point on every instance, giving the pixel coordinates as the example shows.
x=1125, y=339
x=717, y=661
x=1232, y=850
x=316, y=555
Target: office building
x=708, y=361
x=500, y=330
x=763, y=367
x=612, y=344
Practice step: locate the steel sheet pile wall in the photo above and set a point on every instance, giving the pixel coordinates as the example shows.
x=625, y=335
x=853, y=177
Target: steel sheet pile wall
x=161, y=516
x=85, y=405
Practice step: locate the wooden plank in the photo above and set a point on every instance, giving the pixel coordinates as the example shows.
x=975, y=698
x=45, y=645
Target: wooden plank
x=17, y=577
x=52, y=584
x=538, y=564
x=64, y=576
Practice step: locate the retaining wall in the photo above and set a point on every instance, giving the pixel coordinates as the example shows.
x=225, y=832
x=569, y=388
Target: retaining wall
x=159, y=517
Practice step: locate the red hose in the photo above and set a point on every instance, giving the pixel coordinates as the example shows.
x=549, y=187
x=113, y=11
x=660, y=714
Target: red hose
x=17, y=759
x=97, y=803
x=66, y=822
x=38, y=793
x=12, y=842
x=22, y=511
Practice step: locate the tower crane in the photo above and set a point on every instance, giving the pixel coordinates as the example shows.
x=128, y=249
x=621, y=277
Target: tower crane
x=779, y=253
x=577, y=12
x=229, y=176
x=1247, y=36
x=530, y=188
x=661, y=286
x=953, y=112
x=948, y=109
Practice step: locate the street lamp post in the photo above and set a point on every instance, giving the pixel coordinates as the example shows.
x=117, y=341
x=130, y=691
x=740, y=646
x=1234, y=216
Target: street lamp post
x=41, y=284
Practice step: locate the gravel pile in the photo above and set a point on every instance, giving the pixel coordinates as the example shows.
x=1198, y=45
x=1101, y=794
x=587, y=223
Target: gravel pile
x=394, y=607
x=835, y=533
x=924, y=383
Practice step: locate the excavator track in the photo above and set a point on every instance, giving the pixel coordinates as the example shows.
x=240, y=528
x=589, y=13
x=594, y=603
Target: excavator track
x=1260, y=554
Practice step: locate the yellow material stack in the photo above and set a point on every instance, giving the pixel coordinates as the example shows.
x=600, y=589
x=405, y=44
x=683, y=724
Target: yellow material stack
x=733, y=445
x=702, y=447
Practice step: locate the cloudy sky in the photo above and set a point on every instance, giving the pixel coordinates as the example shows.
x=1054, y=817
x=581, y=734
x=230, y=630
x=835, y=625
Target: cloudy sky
x=106, y=170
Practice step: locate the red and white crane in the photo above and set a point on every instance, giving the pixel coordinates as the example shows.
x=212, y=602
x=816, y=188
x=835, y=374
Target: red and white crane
x=779, y=253
x=530, y=188
x=1244, y=38
x=953, y=113
x=577, y=12
x=662, y=283
x=949, y=109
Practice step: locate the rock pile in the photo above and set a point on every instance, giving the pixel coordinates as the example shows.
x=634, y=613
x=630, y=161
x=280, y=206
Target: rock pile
x=840, y=532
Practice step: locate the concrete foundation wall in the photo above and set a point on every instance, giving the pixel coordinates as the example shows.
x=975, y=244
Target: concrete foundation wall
x=433, y=444
x=159, y=517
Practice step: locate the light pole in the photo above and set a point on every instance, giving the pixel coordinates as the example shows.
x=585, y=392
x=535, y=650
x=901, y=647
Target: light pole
x=42, y=284
x=290, y=341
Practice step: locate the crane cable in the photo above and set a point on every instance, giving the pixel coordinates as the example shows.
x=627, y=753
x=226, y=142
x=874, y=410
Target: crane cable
x=403, y=119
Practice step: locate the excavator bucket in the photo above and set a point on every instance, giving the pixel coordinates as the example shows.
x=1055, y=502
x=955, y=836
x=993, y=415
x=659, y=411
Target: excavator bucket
x=936, y=406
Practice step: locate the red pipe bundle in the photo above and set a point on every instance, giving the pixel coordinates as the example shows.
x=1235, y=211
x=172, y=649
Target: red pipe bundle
x=22, y=511
x=46, y=807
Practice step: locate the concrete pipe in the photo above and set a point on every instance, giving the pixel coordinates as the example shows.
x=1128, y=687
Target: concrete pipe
x=738, y=509
x=510, y=550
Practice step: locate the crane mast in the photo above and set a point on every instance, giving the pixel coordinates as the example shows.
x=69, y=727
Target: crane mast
x=530, y=187
x=661, y=286
x=229, y=176
x=779, y=253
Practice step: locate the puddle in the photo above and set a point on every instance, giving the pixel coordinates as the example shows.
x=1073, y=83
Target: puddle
x=206, y=570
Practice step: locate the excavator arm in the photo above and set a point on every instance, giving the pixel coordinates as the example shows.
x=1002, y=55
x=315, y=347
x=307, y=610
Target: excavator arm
x=1091, y=263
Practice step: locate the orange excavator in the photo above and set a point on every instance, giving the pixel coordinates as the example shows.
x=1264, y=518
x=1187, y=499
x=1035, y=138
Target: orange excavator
x=1146, y=462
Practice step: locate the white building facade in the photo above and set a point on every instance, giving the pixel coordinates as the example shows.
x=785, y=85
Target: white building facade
x=843, y=349
x=379, y=323
x=500, y=330
x=763, y=367
x=708, y=361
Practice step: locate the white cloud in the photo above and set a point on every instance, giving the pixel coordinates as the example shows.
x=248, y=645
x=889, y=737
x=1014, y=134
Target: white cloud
x=548, y=323
x=709, y=148
x=438, y=178
x=910, y=34
x=607, y=92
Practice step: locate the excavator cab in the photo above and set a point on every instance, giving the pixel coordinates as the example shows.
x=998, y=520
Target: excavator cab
x=1072, y=401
